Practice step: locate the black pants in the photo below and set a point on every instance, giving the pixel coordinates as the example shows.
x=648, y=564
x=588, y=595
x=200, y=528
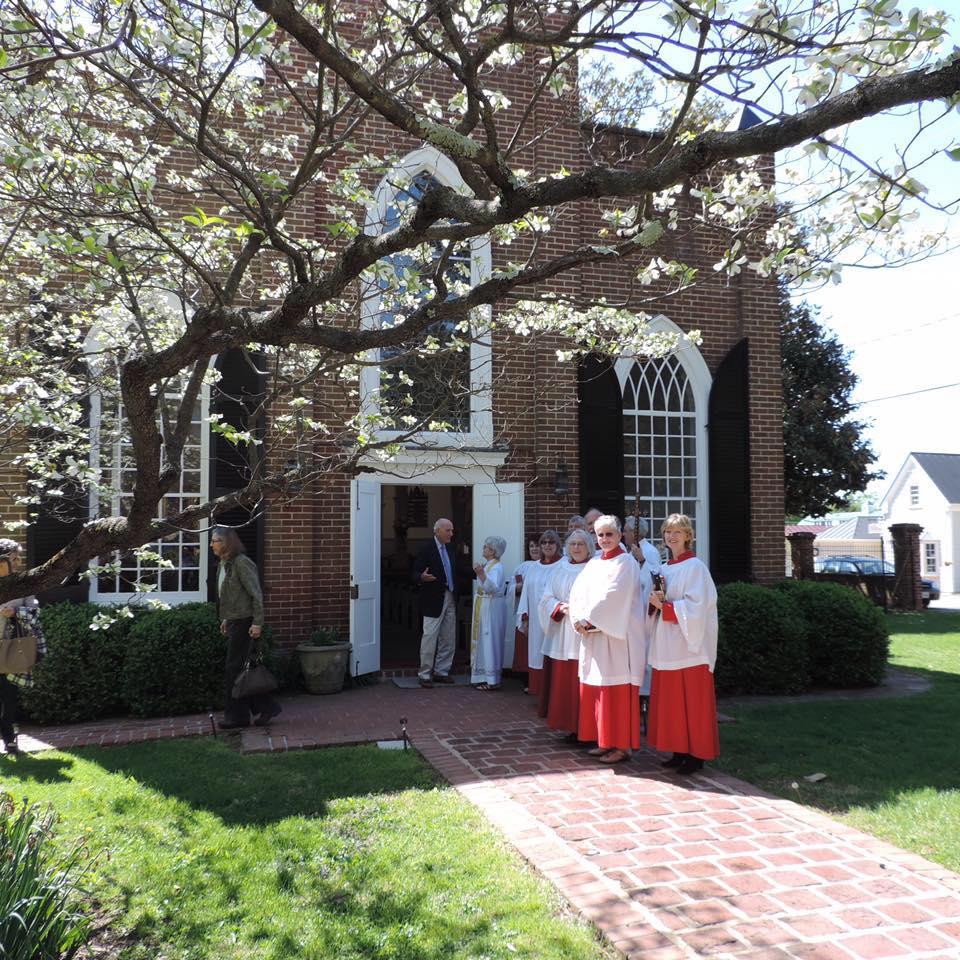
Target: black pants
x=9, y=694
x=239, y=644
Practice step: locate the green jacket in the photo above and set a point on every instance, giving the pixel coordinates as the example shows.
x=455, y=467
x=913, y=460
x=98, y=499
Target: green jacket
x=240, y=595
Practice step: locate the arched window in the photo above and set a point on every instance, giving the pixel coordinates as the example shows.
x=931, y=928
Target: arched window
x=664, y=437
x=423, y=386
x=446, y=386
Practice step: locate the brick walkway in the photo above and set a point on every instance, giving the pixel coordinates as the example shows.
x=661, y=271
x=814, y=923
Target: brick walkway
x=667, y=869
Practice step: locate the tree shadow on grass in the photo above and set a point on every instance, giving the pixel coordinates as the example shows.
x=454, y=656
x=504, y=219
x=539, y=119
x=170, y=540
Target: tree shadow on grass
x=872, y=751
x=35, y=769
x=265, y=788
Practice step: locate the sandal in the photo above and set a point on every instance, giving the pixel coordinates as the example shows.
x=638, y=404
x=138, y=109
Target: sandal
x=598, y=751
x=482, y=686
x=615, y=756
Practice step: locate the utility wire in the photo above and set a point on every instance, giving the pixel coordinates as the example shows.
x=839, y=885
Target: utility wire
x=903, y=331
x=909, y=393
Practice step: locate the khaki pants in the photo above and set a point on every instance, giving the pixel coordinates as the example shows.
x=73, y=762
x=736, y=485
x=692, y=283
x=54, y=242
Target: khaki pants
x=439, y=640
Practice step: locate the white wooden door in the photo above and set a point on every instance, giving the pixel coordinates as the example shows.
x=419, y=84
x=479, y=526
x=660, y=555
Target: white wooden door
x=364, y=575
x=498, y=511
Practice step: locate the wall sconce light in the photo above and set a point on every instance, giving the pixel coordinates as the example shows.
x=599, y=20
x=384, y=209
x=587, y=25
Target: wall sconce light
x=561, y=480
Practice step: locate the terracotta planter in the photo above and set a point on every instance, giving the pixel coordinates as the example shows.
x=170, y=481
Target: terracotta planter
x=324, y=668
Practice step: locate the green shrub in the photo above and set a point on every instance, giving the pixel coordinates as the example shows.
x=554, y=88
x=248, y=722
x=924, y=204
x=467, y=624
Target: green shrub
x=39, y=914
x=78, y=678
x=846, y=633
x=763, y=643
x=285, y=666
x=175, y=661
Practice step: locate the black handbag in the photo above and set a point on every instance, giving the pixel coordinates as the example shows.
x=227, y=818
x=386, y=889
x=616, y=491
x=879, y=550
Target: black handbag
x=254, y=680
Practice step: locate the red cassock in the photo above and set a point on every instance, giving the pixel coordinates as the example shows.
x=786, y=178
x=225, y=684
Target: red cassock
x=683, y=652
x=609, y=595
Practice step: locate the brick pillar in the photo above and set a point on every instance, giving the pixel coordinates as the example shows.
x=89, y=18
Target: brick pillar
x=906, y=561
x=801, y=554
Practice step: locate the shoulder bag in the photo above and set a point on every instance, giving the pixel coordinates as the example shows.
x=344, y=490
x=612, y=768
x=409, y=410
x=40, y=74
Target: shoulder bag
x=18, y=651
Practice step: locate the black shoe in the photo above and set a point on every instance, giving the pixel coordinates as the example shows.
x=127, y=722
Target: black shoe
x=690, y=765
x=268, y=715
x=12, y=749
x=443, y=678
x=570, y=738
x=676, y=760
x=233, y=724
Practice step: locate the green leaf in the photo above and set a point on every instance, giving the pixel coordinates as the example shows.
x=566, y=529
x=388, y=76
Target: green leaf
x=953, y=153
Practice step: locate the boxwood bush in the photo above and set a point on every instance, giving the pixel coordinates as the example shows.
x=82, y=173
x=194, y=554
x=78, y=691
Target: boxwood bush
x=159, y=662
x=79, y=679
x=174, y=662
x=762, y=644
x=846, y=633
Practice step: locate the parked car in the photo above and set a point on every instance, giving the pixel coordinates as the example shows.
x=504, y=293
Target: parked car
x=873, y=566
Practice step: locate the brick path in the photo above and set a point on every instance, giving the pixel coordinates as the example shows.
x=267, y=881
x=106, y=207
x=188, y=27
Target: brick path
x=666, y=868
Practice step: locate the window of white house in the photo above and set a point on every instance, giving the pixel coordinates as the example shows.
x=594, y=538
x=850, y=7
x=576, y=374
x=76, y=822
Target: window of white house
x=930, y=558
x=447, y=386
x=660, y=441
x=184, y=579
x=914, y=496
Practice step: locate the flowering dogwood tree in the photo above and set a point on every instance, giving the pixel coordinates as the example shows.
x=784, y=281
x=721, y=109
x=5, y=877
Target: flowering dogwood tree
x=181, y=179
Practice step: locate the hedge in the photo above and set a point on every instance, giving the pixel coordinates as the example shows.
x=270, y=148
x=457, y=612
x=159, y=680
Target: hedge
x=763, y=642
x=79, y=678
x=156, y=663
x=846, y=633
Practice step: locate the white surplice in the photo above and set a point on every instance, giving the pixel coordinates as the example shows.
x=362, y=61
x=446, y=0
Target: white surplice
x=489, y=629
x=692, y=640
x=609, y=594
x=534, y=583
x=561, y=641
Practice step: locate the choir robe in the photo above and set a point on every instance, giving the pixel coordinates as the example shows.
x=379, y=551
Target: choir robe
x=560, y=701
x=519, y=662
x=490, y=619
x=533, y=587
x=609, y=594
x=683, y=653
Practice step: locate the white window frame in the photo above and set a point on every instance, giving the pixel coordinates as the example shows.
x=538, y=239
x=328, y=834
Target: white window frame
x=931, y=557
x=699, y=381
x=172, y=597
x=431, y=161
x=914, y=494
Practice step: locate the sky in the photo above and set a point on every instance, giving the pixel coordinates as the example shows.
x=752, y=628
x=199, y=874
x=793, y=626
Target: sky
x=902, y=327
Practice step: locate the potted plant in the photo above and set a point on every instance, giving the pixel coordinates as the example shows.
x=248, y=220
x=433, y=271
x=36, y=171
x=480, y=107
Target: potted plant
x=324, y=661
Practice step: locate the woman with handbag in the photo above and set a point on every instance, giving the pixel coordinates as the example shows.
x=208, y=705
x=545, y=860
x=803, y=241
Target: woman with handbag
x=21, y=646
x=241, y=621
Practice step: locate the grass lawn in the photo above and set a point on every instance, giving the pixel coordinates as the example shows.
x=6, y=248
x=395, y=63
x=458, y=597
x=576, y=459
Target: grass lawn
x=892, y=765
x=342, y=853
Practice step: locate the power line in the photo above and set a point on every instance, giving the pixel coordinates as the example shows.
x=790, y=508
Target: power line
x=903, y=331
x=909, y=393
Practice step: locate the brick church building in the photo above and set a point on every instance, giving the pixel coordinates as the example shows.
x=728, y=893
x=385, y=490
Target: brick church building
x=537, y=439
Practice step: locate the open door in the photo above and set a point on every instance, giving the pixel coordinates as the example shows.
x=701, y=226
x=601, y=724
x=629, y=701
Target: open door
x=498, y=511
x=364, y=575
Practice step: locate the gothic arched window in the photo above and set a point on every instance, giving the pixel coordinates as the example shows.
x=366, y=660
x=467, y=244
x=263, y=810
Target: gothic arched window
x=660, y=441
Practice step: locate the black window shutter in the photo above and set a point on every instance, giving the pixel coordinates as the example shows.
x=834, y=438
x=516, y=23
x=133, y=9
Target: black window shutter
x=729, y=459
x=237, y=398
x=601, y=435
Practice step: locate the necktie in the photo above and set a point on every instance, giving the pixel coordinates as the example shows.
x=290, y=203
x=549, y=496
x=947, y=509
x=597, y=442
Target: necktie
x=446, y=566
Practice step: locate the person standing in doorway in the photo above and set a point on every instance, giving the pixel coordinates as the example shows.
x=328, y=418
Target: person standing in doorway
x=433, y=571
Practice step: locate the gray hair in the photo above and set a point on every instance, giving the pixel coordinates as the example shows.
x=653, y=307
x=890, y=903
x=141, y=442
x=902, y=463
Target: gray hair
x=607, y=520
x=576, y=522
x=583, y=537
x=497, y=544
x=642, y=529
x=8, y=547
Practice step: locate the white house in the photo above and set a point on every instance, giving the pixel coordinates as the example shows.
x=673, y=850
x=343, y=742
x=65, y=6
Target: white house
x=926, y=490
